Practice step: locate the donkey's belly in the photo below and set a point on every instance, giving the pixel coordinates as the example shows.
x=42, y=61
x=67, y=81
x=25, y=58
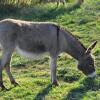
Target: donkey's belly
x=29, y=54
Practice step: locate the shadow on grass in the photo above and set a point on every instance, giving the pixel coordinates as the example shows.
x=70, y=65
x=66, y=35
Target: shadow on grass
x=19, y=65
x=69, y=75
x=8, y=89
x=41, y=95
x=37, y=13
x=52, y=13
x=79, y=92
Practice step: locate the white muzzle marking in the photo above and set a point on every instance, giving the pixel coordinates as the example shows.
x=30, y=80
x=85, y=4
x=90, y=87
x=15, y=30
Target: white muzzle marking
x=92, y=74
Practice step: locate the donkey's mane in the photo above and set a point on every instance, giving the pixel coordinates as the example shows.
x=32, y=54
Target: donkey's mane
x=74, y=36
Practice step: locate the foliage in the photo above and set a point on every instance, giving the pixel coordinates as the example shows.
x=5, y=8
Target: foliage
x=23, y=2
x=17, y=2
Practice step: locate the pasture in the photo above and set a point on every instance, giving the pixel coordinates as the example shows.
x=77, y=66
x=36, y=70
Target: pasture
x=33, y=76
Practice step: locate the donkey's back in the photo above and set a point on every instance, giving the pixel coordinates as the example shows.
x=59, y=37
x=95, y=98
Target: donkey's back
x=36, y=37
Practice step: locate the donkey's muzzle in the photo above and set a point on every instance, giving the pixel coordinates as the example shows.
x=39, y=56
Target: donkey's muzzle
x=92, y=75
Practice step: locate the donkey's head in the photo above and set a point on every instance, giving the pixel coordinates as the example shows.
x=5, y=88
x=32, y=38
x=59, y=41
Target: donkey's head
x=86, y=63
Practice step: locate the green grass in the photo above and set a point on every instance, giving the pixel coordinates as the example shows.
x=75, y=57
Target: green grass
x=34, y=75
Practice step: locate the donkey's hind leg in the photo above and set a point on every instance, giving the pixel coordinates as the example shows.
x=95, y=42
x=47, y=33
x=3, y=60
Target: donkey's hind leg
x=58, y=2
x=8, y=69
x=5, y=60
x=5, y=63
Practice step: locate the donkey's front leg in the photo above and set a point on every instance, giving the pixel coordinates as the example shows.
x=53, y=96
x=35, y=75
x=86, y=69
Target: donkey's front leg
x=53, y=65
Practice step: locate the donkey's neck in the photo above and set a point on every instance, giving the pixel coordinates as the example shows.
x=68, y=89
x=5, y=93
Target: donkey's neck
x=71, y=45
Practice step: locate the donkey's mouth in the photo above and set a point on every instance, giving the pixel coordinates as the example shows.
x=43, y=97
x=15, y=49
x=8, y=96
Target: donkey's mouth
x=92, y=75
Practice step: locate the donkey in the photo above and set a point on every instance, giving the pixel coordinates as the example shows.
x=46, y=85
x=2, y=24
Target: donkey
x=62, y=1
x=58, y=2
x=36, y=38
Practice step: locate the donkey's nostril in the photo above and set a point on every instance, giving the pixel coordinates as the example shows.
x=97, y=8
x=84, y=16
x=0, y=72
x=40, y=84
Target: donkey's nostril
x=92, y=75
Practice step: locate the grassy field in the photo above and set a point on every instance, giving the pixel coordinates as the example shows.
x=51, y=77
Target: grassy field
x=34, y=75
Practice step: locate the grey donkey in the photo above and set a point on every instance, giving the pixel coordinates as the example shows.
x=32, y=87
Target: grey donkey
x=62, y=1
x=57, y=1
x=36, y=38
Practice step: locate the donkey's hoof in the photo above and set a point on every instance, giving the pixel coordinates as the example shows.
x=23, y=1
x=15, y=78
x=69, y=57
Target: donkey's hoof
x=55, y=83
x=3, y=88
x=15, y=83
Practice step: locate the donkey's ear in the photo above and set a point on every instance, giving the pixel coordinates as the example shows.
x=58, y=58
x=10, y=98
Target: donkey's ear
x=88, y=51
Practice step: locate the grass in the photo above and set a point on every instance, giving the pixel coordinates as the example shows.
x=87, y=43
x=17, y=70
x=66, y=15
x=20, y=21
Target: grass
x=34, y=75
